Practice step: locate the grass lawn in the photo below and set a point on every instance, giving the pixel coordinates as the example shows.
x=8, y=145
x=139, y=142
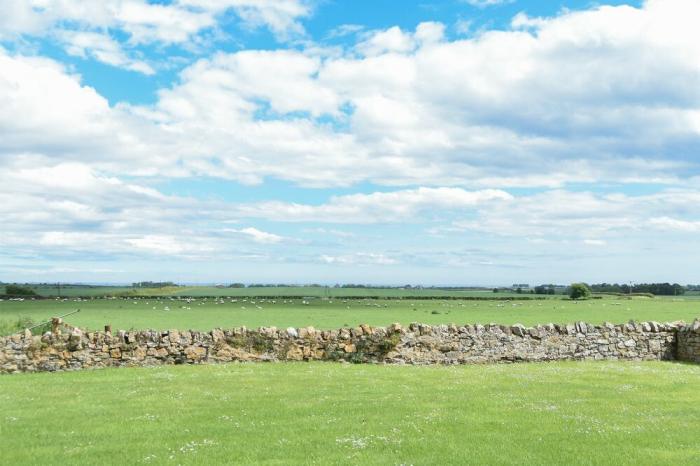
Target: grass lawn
x=204, y=314
x=327, y=413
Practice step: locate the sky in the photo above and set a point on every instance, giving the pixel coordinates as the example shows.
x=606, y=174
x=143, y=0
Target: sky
x=435, y=142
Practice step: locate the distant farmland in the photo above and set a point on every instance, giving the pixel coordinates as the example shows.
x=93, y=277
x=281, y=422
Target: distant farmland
x=268, y=291
x=326, y=313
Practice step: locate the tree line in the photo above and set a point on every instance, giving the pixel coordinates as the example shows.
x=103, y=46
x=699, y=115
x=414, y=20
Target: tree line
x=152, y=284
x=659, y=289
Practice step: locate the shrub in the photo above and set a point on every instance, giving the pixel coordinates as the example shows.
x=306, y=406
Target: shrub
x=579, y=291
x=388, y=344
x=16, y=290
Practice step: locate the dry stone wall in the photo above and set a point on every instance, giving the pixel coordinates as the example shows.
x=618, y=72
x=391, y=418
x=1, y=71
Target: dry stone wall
x=689, y=343
x=417, y=344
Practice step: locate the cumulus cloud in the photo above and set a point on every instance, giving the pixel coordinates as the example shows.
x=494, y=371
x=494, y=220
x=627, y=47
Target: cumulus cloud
x=85, y=28
x=439, y=129
x=144, y=21
x=502, y=114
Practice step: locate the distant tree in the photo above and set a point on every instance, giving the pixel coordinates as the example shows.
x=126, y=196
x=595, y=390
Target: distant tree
x=236, y=285
x=519, y=290
x=545, y=289
x=16, y=290
x=152, y=284
x=662, y=289
x=495, y=290
x=579, y=291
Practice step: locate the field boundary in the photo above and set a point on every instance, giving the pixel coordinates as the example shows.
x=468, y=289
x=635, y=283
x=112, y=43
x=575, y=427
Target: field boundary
x=417, y=344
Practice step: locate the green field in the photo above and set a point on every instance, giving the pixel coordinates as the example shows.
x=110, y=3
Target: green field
x=326, y=413
x=269, y=291
x=205, y=314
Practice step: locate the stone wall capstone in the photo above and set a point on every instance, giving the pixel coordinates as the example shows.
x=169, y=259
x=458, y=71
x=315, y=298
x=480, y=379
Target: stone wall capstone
x=417, y=344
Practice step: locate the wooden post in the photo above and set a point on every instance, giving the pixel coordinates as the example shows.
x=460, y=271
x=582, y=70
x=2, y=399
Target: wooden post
x=55, y=325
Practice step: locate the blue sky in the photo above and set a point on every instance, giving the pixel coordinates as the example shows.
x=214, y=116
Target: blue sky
x=471, y=142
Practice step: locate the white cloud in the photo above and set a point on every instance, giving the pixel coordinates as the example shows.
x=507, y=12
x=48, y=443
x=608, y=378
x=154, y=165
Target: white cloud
x=344, y=30
x=390, y=40
x=501, y=115
x=86, y=28
x=674, y=224
x=69, y=209
x=561, y=214
x=103, y=48
x=123, y=244
x=379, y=207
x=259, y=236
x=607, y=95
x=360, y=258
x=71, y=212
x=280, y=16
x=429, y=32
x=463, y=26
x=162, y=244
x=486, y=3
x=146, y=22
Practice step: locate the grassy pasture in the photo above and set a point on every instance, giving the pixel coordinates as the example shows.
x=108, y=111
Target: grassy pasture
x=327, y=413
x=299, y=291
x=205, y=314
x=331, y=292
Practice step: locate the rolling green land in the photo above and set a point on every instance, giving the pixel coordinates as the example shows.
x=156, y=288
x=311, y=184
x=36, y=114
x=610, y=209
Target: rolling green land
x=205, y=314
x=326, y=413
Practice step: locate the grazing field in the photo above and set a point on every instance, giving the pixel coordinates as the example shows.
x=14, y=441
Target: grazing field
x=269, y=291
x=205, y=314
x=327, y=413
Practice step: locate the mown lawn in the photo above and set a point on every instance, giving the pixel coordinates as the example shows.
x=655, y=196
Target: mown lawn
x=328, y=413
x=205, y=314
